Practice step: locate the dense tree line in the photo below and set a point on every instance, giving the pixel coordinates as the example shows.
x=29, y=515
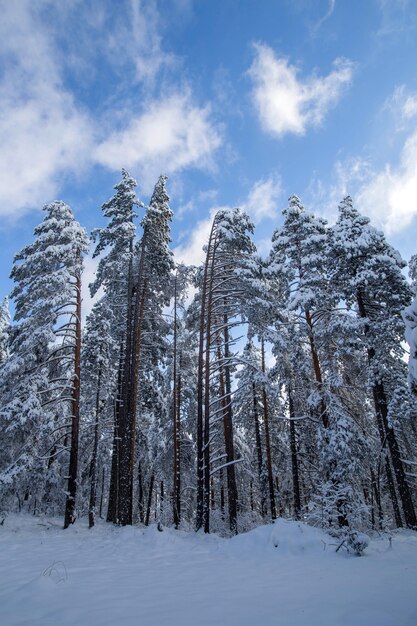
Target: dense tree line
x=216, y=397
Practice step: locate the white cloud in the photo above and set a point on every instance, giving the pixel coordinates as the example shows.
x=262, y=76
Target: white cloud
x=262, y=199
x=46, y=136
x=170, y=135
x=263, y=246
x=42, y=131
x=135, y=35
x=388, y=193
x=390, y=196
x=287, y=104
x=191, y=251
x=89, y=274
x=410, y=107
x=403, y=105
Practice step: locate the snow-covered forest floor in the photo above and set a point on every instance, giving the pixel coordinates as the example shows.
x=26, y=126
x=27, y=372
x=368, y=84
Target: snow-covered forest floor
x=283, y=574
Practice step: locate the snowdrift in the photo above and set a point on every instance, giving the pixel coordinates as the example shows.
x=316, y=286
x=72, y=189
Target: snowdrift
x=282, y=574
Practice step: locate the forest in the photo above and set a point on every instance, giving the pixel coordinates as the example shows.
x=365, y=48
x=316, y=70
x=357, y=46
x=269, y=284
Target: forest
x=214, y=398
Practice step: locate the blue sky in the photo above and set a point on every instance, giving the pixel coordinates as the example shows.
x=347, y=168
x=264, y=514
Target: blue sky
x=239, y=102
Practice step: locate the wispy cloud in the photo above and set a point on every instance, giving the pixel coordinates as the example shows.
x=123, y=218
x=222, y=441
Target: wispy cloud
x=286, y=103
x=330, y=9
x=386, y=193
x=347, y=177
x=195, y=203
x=403, y=106
x=263, y=199
x=191, y=251
x=46, y=134
x=389, y=197
x=169, y=135
x=43, y=133
x=398, y=18
x=136, y=37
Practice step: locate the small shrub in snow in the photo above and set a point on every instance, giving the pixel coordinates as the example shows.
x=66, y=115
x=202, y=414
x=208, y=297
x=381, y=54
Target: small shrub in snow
x=357, y=542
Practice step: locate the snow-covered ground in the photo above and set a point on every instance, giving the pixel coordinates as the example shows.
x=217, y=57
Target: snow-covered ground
x=287, y=574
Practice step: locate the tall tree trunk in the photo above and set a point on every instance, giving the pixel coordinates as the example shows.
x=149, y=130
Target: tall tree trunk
x=124, y=426
x=179, y=391
x=213, y=497
x=222, y=499
x=376, y=496
x=268, y=439
x=162, y=500
x=176, y=496
x=261, y=468
x=127, y=428
x=389, y=474
x=226, y=401
x=112, y=508
x=294, y=457
x=381, y=410
x=70, y=512
x=393, y=494
x=316, y=368
x=200, y=387
x=93, y=465
x=324, y=415
x=228, y=444
x=206, y=438
x=140, y=494
x=148, y=508
x=134, y=390
x=103, y=476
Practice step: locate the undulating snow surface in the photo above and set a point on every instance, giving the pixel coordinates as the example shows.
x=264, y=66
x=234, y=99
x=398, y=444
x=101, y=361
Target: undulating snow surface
x=287, y=574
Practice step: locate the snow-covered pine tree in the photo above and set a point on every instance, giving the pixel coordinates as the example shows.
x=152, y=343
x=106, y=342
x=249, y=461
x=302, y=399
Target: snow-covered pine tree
x=41, y=378
x=115, y=245
x=153, y=290
x=298, y=262
x=222, y=293
x=151, y=282
x=99, y=364
x=368, y=275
